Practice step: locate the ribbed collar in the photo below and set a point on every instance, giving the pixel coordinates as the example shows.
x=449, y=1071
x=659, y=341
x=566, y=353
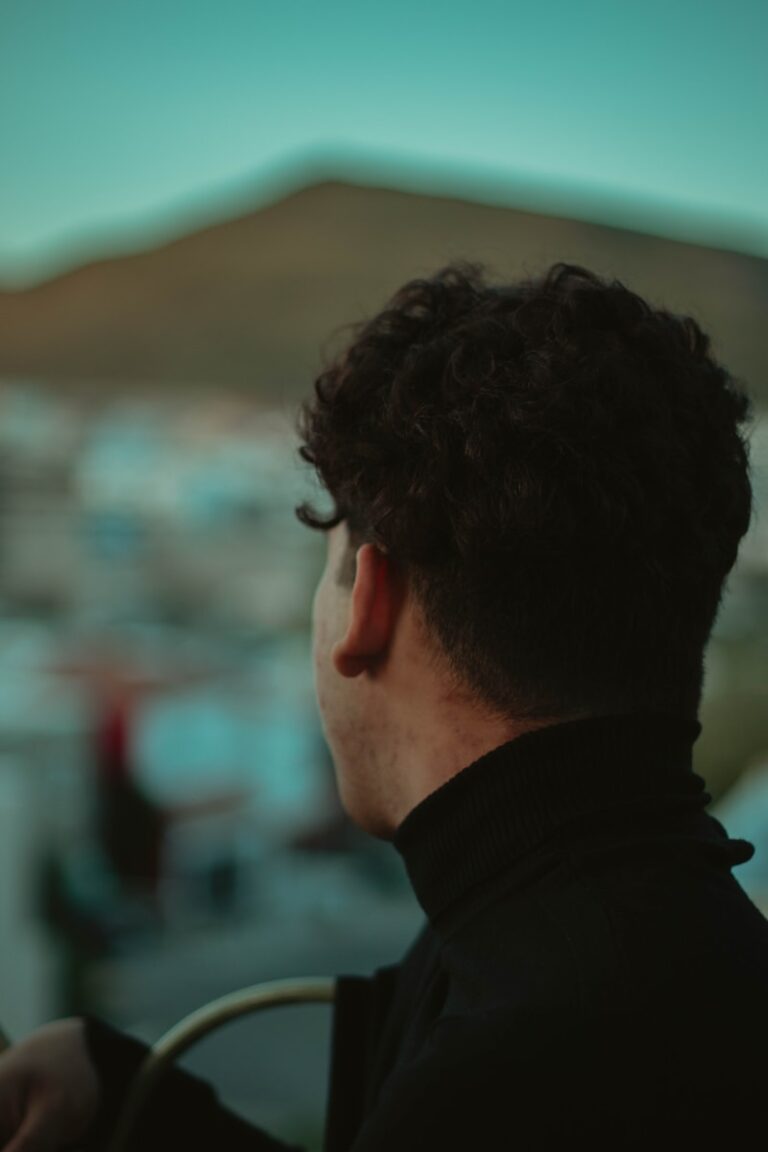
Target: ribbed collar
x=516, y=796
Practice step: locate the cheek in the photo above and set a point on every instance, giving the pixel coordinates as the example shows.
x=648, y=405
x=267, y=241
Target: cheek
x=320, y=654
x=316, y=617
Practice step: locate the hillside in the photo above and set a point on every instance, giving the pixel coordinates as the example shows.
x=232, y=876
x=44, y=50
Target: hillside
x=254, y=301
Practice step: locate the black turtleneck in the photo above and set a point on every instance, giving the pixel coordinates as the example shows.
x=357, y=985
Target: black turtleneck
x=522, y=793
x=589, y=969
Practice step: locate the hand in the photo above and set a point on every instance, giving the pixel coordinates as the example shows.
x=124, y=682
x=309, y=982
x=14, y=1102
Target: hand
x=49, y=1089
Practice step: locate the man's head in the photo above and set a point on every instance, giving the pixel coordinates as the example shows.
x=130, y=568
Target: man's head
x=539, y=491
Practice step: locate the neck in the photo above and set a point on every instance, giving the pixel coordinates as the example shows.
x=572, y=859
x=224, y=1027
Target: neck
x=521, y=793
x=429, y=746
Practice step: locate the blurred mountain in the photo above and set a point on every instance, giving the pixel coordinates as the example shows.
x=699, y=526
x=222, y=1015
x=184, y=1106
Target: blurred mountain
x=260, y=300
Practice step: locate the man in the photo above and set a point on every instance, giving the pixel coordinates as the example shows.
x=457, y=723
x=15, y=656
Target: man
x=539, y=490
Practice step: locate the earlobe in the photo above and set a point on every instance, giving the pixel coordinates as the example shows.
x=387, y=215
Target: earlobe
x=345, y=663
x=371, y=614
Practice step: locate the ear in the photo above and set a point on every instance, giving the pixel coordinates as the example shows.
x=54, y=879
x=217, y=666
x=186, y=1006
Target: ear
x=372, y=614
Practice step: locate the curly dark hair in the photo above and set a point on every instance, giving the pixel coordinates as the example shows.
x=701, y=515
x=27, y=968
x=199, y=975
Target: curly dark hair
x=560, y=471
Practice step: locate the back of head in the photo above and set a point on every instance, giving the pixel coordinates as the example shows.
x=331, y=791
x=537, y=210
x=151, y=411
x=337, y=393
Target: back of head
x=561, y=471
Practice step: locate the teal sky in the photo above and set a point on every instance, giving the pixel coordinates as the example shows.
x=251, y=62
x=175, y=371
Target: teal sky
x=122, y=122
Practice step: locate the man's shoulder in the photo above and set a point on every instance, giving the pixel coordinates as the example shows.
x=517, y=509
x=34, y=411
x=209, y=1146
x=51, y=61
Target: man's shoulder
x=613, y=929
x=618, y=1079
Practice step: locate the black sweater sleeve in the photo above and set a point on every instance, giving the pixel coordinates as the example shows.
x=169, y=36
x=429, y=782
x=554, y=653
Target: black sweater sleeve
x=184, y=1111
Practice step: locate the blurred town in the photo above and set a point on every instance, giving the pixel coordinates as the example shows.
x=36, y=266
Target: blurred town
x=169, y=828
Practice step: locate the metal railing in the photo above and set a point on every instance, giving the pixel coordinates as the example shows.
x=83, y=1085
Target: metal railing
x=269, y=994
